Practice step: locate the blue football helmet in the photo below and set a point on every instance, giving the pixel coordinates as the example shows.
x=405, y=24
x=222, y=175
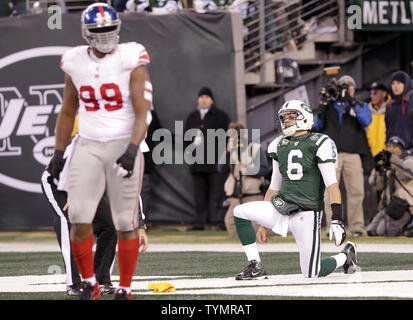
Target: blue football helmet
x=100, y=27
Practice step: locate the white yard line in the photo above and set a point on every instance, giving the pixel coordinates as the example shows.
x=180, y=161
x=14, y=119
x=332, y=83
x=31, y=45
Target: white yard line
x=156, y=247
x=362, y=284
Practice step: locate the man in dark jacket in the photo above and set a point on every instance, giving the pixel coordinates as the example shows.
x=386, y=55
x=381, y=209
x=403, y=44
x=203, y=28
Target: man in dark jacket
x=207, y=182
x=398, y=121
x=149, y=167
x=344, y=121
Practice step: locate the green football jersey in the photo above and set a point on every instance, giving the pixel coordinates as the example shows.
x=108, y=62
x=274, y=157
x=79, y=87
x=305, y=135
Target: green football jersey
x=298, y=159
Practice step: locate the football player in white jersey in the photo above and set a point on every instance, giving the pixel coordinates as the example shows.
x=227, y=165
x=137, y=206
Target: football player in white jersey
x=303, y=166
x=109, y=86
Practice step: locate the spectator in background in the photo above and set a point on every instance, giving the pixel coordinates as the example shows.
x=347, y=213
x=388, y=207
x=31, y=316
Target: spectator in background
x=376, y=131
x=154, y=6
x=5, y=8
x=120, y=5
x=344, y=120
x=398, y=121
x=18, y=7
x=208, y=184
x=393, y=175
x=244, y=179
x=149, y=166
x=203, y=6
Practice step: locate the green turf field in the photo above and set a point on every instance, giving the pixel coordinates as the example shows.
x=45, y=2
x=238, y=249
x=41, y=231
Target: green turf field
x=194, y=269
x=199, y=264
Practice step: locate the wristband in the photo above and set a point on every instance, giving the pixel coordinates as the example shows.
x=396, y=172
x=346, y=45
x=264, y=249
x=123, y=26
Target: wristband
x=59, y=153
x=337, y=209
x=132, y=149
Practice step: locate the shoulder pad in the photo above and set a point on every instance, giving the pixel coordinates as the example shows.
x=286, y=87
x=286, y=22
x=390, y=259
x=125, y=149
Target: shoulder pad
x=272, y=147
x=133, y=55
x=69, y=61
x=318, y=138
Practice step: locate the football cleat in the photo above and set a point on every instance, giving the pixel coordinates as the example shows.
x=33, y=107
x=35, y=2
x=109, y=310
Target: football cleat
x=73, y=290
x=90, y=292
x=107, y=288
x=351, y=264
x=122, y=294
x=254, y=270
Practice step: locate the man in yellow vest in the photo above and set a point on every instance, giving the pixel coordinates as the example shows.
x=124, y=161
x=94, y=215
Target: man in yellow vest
x=376, y=131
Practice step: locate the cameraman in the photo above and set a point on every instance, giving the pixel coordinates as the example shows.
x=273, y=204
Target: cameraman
x=393, y=175
x=343, y=119
x=245, y=178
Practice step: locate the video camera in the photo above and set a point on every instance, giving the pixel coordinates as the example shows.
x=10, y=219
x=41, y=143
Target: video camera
x=333, y=91
x=382, y=161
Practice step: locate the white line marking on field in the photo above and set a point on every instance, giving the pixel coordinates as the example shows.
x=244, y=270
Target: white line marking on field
x=221, y=247
x=397, y=284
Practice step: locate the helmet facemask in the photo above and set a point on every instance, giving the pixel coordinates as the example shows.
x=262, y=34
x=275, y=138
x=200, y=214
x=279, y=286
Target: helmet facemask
x=103, y=35
x=303, y=117
x=290, y=130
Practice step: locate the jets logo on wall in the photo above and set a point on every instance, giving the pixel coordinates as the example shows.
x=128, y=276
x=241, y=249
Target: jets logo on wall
x=31, y=91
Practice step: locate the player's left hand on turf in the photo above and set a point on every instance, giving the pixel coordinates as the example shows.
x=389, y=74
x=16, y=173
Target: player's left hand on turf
x=126, y=162
x=143, y=240
x=337, y=230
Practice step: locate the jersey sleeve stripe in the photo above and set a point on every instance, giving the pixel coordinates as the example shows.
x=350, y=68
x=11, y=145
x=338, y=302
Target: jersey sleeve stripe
x=325, y=161
x=144, y=57
x=321, y=140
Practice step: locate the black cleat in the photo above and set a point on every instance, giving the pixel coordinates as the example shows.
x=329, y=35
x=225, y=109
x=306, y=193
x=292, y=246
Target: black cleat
x=107, y=288
x=121, y=294
x=90, y=292
x=351, y=264
x=73, y=290
x=254, y=270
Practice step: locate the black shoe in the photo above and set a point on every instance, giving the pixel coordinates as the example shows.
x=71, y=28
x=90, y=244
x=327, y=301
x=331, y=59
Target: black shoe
x=121, y=294
x=254, y=270
x=90, y=292
x=351, y=264
x=107, y=288
x=196, y=228
x=73, y=290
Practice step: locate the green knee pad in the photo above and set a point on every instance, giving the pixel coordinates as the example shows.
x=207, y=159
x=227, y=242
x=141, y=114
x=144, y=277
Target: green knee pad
x=245, y=230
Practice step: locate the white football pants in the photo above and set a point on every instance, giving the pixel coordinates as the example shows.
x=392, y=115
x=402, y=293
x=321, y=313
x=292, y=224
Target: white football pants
x=305, y=227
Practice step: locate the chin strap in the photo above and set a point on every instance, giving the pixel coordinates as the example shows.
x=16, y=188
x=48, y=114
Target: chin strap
x=288, y=132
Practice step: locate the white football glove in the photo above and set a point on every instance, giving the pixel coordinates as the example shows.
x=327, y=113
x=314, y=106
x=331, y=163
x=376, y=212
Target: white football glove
x=120, y=171
x=337, y=229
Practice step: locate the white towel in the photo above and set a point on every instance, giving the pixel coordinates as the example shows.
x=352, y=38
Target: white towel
x=63, y=177
x=281, y=225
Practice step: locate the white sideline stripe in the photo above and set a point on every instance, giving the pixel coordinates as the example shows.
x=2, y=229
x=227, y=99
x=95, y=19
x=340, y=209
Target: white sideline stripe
x=223, y=247
x=397, y=283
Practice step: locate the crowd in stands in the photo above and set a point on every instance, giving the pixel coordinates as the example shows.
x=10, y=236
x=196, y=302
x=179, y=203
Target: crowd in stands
x=17, y=7
x=378, y=132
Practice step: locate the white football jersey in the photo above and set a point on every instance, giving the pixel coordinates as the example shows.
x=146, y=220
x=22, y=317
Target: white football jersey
x=105, y=107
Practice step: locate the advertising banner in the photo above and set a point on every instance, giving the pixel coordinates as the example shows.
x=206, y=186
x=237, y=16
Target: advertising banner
x=382, y=15
x=187, y=50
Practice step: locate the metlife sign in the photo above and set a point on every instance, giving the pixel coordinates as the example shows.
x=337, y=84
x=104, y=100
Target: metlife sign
x=376, y=15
